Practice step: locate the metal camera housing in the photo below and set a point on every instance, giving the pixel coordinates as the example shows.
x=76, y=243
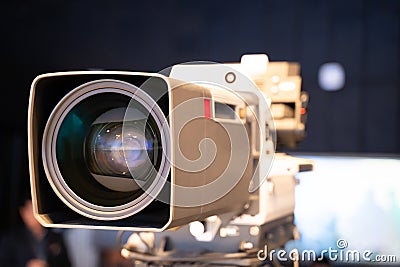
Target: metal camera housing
x=73, y=184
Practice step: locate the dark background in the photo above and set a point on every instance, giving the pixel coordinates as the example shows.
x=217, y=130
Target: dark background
x=56, y=35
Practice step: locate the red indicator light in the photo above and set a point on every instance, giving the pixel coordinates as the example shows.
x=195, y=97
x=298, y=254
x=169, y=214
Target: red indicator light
x=303, y=111
x=207, y=108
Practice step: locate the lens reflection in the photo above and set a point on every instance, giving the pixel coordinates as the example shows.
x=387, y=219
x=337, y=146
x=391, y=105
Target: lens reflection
x=122, y=150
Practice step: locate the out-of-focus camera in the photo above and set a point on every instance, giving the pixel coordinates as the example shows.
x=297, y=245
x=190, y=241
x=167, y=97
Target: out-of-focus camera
x=281, y=83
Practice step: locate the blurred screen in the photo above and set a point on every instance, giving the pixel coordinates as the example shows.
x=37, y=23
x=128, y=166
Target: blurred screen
x=356, y=199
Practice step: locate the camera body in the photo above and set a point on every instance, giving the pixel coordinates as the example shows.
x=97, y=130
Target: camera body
x=269, y=214
x=136, y=151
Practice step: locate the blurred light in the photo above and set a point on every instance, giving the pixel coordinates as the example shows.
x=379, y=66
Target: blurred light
x=287, y=86
x=274, y=89
x=196, y=228
x=331, y=76
x=255, y=64
x=275, y=79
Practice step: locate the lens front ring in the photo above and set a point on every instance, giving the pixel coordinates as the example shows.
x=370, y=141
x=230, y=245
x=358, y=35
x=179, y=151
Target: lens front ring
x=53, y=173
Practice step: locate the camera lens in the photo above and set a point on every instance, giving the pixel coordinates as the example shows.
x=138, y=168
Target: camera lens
x=103, y=149
x=107, y=151
x=128, y=149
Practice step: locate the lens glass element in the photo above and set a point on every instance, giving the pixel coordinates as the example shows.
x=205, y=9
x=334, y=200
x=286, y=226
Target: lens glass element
x=123, y=150
x=103, y=159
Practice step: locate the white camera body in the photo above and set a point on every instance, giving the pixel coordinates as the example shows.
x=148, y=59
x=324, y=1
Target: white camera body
x=137, y=151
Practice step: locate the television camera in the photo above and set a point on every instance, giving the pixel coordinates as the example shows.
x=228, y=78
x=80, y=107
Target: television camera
x=185, y=158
